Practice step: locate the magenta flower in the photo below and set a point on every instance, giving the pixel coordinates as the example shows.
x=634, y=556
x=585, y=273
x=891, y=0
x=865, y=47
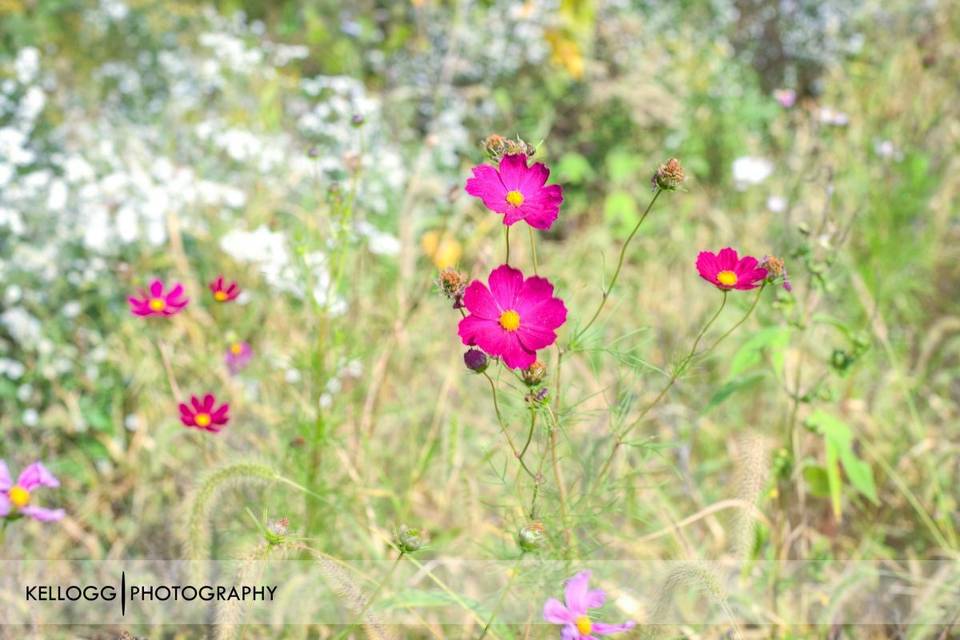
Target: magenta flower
x=574, y=614
x=726, y=271
x=238, y=356
x=202, y=414
x=157, y=302
x=15, y=497
x=513, y=318
x=517, y=191
x=223, y=292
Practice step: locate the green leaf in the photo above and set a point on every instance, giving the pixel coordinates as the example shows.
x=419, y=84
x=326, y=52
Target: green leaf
x=772, y=339
x=816, y=477
x=838, y=439
x=733, y=386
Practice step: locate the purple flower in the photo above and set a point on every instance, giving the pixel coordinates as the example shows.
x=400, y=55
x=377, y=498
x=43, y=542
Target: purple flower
x=238, y=356
x=16, y=498
x=578, y=598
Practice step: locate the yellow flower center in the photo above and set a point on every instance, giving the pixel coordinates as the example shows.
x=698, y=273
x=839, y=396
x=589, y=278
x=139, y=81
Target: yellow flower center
x=202, y=419
x=515, y=198
x=236, y=348
x=158, y=304
x=727, y=278
x=584, y=626
x=19, y=497
x=219, y=296
x=510, y=320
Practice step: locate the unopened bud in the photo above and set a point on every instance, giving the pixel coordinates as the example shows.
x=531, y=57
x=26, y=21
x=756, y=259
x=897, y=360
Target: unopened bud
x=357, y=119
x=476, y=360
x=537, y=398
x=776, y=270
x=410, y=539
x=669, y=176
x=277, y=530
x=497, y=147
x=532, y=536
x=452, y=284
x=534, y=374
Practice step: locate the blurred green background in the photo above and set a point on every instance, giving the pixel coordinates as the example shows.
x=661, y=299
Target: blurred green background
x=316, y=152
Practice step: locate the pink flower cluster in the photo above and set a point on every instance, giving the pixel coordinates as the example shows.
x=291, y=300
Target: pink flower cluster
x=158, y=301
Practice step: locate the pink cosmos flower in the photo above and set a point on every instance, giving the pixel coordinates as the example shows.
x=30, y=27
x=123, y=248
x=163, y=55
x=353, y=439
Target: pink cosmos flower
x=517, y=191
x=15, y=497
x=726, y=271
x=786, y=97
x=573, y=613
x=513, y=318
x=202, y=414
x=222, y=292
x=238, y=356
x=157, y=302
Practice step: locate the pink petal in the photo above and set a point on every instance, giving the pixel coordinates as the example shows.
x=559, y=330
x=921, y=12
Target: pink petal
x=505, y=284
x=596, y=598
x=43, y=515
x=487, y=334
x=556, y=613
x=575, y=593
x=514, y=215
x=195, y=401
x=603, y=629
x=486, y=185
x=570, y=632
x=746, y=264
x=221, y=413
x=533, y=338
x=156, y=288
x=727, y=259
x=514, y=354
x=208, y=401
x=549, y=314
x=478, y=301
x=534, y=290
x=5, y=480
x=37, y=475
x=533, y=179
x=513, y=172
x=707, y=265
x=5, y=506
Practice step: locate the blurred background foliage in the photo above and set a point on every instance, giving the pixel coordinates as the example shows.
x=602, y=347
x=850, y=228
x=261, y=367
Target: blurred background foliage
x=316, y=151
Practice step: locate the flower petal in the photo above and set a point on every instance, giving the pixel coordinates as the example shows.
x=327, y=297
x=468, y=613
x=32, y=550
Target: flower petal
x=479, y=302
x=513, y=172
x=505, y=284
x=5, y=480
x=555, y=612
x=533, y=338
x=575, y=593
x=515, y=355
x=43, y=515
x=37, y=475
x=156, y=288
x=727, y=259
x=707, y=265
x=570, y=632
x=486, y=185
x=5, y=506
x=603, y=629
x=548, y=314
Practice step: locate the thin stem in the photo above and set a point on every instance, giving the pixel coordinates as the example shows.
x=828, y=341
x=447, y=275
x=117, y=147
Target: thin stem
x=526, y=445
x=503, y=426
x=616, y=273
x=533, y=251
x=677, y=372
x=514, y=571
x=753, y=306
x=506, y=239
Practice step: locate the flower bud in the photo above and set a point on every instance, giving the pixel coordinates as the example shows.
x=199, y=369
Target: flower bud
x=531, y=537
x=410, y=539
x=497, y=146
x=476, y=360
x=537, y=398
x=357, y=119
x=452, y=284
x=776, y=270
x=277, y=530
x=669, y=176
x=534, y=374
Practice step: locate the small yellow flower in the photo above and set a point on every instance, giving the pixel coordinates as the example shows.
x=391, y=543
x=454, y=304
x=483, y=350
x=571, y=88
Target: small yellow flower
x=443, y=249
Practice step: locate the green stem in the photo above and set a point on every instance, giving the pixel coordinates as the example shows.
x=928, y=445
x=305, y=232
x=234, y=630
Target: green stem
x=506, y=239
x=533, y=251
x=526, y=445
x=503, y=426
x=514, y=571
x=616, y=273
x=753, y=306
x=677, y=372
